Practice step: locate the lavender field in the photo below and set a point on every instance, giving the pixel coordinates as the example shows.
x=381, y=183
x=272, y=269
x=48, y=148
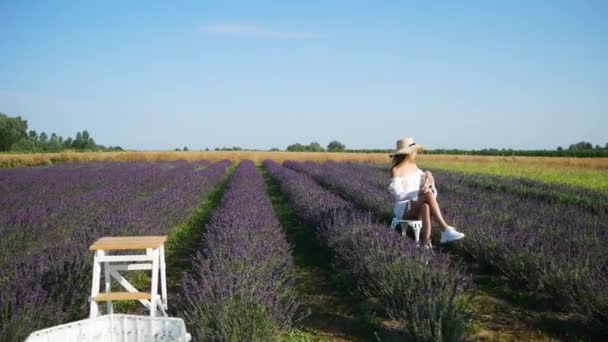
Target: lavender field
x=51, y=215
x=548, y=240
x=243, y=276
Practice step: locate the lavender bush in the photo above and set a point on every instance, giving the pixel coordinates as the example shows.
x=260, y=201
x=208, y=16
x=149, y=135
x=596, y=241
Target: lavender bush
x=348, y=183
x=594, y=200
x=555, y=249
x=551, y=245
x=242, y=285
x=422, y=291
x=46, y=279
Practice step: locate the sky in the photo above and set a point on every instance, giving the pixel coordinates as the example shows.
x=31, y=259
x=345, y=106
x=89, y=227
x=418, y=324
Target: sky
x=260, y=74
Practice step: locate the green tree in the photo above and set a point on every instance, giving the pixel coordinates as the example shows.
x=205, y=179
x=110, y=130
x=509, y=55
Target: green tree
x=315, y=147
x=583, y=145
x=87, y=141
x=336, y=146
x=91, y=144
x=14, y=136
x=32, y=135
x=11, y=131
x=25, y=145
x=297, y=147
x=68, y=143
x=312, y=147
x=43, y=139
x=54, y=143
x=78, y=142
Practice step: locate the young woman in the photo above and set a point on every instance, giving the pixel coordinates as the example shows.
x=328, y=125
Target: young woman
x=414, y=193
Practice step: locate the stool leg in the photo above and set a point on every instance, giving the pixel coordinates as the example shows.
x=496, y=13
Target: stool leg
x=416, y=229
x=94, y=310
x=108, y=286
x=394, y=223
x=163, y=278
x=161, y=307
x=154, y=285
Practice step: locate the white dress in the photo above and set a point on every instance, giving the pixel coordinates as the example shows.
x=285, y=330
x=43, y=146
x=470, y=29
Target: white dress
x=403, y=190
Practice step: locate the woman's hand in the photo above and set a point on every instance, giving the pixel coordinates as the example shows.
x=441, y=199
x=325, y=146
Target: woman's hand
x=424, y=190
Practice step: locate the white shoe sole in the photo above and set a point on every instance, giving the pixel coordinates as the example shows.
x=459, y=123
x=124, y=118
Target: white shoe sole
x=452, y=240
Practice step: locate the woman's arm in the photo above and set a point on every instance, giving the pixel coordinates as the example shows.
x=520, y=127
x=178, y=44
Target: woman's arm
x=429, y=184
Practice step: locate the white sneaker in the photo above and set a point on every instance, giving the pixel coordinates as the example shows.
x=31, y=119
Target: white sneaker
x=450, y=234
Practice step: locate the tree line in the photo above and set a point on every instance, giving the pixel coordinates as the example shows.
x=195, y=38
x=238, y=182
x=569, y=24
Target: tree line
x=334, y=146
x=14, y=136
x=579, y=149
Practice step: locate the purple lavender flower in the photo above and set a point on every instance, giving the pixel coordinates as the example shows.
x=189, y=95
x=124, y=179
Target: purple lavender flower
x=242, y=286
x=422, y=291
x=49, y=217
x=549, y=239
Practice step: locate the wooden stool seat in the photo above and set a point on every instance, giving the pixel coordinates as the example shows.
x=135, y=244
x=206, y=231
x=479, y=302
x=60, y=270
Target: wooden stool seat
x=128, y=242
x=112, y=296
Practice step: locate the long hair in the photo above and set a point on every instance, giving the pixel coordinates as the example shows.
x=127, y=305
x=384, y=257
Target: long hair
x=397, y=160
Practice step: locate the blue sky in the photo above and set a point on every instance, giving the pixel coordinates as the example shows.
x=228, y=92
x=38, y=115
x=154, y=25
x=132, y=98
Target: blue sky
x=262, y=74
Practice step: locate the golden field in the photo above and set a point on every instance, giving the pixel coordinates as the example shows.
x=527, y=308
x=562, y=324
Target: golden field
x=587, y=172
x=37, y=159
x=591, y=173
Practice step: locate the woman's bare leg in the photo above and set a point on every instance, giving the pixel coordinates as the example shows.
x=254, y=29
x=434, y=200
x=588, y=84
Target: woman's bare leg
x=430, y=199
x=412, y=213
x=425, y=216
x=419, y=210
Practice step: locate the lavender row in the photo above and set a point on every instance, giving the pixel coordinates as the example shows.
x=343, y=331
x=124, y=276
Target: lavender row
x=241, y=287
x=547, y=238
x=20, y=201
x=554, y=249
x=422, y=291
x=592, y=200
x=363, y=191
x=48, y=282
x=31, y=226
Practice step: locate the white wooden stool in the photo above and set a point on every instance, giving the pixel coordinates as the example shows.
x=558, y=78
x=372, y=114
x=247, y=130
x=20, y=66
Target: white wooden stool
x=416, y=226
x=153, y=259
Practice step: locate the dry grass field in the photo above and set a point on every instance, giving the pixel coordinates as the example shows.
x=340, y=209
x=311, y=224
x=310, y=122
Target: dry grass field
x=591, y=173
x=38, y=159
x=587, y=172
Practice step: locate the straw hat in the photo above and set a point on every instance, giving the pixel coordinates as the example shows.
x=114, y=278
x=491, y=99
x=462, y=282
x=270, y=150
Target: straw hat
x=407, y=146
